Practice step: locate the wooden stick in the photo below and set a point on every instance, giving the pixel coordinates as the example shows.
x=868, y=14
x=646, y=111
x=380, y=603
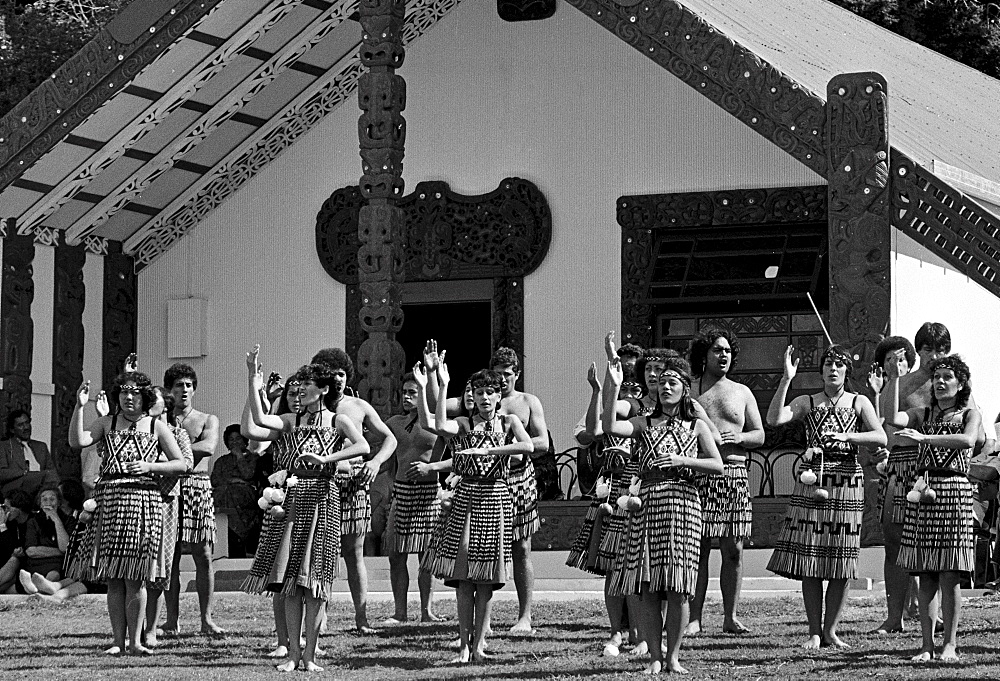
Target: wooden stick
x=821, y=324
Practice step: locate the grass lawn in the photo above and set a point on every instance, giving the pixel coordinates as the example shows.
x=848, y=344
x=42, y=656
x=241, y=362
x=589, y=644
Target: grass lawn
x=65, y=642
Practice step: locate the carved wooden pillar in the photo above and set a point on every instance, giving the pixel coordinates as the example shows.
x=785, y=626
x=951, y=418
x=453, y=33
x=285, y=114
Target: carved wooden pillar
x=120, y=312
x=381, y=134
x=67, y=352
x=858, y=214
x=16, y=327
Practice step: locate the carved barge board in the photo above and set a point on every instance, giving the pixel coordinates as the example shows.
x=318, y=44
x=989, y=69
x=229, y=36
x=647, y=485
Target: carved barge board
x=121, y=311
x=503, y=235
x=16, y=326
x=67, y=352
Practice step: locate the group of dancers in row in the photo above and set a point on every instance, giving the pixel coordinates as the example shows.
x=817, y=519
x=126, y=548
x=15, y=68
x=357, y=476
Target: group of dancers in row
x=674, y=479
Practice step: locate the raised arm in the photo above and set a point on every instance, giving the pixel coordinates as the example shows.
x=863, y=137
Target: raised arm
x=778, y=412
x=424, y=416
x=609, y=417
x=79, y=437
x=592, y=422
x=255, y=381
x=432, y=360
x=445, y=426
x=889, y=398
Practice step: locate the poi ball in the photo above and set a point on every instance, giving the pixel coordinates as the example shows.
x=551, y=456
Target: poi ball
x=603, y=490
x=821, y=493
x=634, y=504
x=84, y=517
x=90, y=505
x=808, y=478
x=623, y=502
x=920, y=485
x=605, y=509
x=277, y=512
x=928, y=496
x=881, y=467
x=445, y=505
x=263, y=503
x=913, y=496
x=277, y=496
x=268, y=491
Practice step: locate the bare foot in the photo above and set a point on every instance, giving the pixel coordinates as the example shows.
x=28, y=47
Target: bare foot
x=693, y=628
x=675, y=667
x=463, y=657
x=312, y=667
x=43, y=585
x=812, y=644
x=168, y=630
x=653, y=668
x=888, y=627
x=210, y=628
x=831, y=639
x=392, y=621
x=49, y=599
x=366, y=630
x=151, y=640
x=289, y=666
x=280, y=651
x=113, y=651
x=320, y=652
x=923, y=656
x=24, y=577
x=735, y=627
x=522, y=626
x=640, y=650
x=141, y=651
x=949, y=653
x=428, y=616
x=482, y=656
x=610, y=649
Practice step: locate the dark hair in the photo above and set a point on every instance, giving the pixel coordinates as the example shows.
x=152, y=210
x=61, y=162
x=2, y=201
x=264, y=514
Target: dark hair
x=704, y=341
x=318, y=373
x=505, y=357
x=18, y=498
x=283, y=407
x=408, y=376
x=230, y=429
x=73, y=493
x=487, y=378
x=168, y=402
x=891, y=344
x=631, y=350
x=333, y=359
x=13, y=415
x=678, y=365
x=43, y=490
x=962, y=373
x=141, y=381
x=933, y=335
x=648, y=355
x=839, y=352
x=177, y=371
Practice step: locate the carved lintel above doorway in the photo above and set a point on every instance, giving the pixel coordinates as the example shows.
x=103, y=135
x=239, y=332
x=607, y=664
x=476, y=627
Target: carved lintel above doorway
x=503, y=236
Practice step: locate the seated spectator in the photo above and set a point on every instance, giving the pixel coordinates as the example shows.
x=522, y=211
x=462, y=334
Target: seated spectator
x=14, y=516
x=233, y=488
x=25, y=464
x=59, y=591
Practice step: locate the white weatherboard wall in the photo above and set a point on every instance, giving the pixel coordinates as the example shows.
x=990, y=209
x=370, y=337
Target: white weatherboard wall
x=561, y=102
x=926, y=289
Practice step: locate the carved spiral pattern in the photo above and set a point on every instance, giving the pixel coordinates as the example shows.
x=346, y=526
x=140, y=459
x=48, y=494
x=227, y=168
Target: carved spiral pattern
x=16, y=327
x=67, y=352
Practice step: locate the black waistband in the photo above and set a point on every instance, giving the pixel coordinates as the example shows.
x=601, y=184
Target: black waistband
x=311, y=474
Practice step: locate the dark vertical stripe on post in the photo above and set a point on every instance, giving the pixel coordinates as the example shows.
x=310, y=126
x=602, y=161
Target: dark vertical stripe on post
x=16, y=328
x=121, y=311
x=67, y=353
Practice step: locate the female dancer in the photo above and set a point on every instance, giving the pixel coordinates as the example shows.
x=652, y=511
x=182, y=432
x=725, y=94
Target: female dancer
x=476, y=548
x=121, y=544
x=170, y=490
x=663, y=532
x=937, y=542
x=821, y=537
x=305, y=563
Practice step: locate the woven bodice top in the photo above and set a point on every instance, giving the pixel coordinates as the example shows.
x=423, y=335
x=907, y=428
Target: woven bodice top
x=943, y=459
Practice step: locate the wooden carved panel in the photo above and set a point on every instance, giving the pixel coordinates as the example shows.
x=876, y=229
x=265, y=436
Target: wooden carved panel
x=525, y=10
x=859, y=220
x=67, y=352
x=120, y=311
x=16, y=327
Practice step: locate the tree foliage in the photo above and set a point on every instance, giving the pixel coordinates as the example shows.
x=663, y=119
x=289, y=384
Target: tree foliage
x=968, y=31
x=36, y=38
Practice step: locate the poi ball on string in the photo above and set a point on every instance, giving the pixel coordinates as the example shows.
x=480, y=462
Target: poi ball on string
x=603, y=489
x=90, y=505
x=623, y=502
x=808, y=478
x=634, y=504
x=913, y=496
x=821, y=494
x=446, y=505
x=263, y=503
x=268, y=491
x=277, y=512
x=605, y=509
x=277, y=496
x=928, y=496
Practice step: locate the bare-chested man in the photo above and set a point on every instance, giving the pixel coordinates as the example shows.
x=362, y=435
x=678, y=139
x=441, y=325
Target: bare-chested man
x=725, y=499
x=415, y=507
x=355, y=502
x=196, y=527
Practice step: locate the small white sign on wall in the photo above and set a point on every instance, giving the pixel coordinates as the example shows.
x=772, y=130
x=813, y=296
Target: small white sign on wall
x=187, y=332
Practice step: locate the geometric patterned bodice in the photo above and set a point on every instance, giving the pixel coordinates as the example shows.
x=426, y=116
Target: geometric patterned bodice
x=673, y=437
x=120, y=447
x=824, y=420
x=319, y=440
x=942, y=459
x=493, y=466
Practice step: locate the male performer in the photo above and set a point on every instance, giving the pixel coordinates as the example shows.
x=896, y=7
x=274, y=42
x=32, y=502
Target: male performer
x=196, y=533
x=355, y=503
x=415, y=507
x=25, y=464
x=726, y=511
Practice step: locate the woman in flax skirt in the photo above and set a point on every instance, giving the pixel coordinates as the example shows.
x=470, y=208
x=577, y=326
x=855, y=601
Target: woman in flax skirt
x=821, y=536
x=475, y=549
x=938, y=543
x=662, y=536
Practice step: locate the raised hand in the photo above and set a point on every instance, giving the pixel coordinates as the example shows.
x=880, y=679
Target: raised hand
x=876, y=378
x=790, y=367
x=609, y=345
x=83, y=394
x=253, y=365
x=615, y=372
x=431, y=355
x=443, y=375
x=132, y=362
x=101, y=404
x=419, y=375
x=592, y=379
x=893, y=365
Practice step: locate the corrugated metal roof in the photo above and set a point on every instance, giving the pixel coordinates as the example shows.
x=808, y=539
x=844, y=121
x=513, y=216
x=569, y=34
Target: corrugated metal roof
x=938, y=109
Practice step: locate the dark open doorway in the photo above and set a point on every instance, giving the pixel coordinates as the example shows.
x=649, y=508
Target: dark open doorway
x=462, y=328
